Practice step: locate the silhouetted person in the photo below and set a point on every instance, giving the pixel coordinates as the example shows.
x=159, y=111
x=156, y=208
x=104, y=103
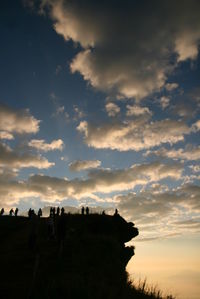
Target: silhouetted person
x=40, y=212
x=103, y=213
x=2, y=212
x=58, y=211
x=51, y=212
x=87, y=211
x=11, y=212
x=116, y=212
x=29, y=213
x=16, y=211
x=82, y=210
x=62, y=211
x=54, y=212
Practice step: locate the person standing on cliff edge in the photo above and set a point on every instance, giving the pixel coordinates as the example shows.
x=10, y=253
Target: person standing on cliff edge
x=87, y=211
x=82, y=210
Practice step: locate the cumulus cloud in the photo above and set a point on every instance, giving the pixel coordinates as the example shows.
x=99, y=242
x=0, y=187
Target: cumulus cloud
x=112, y=109
x=171, y=86
x=99, y=180
x=79, y=165
x=17, y=121
x=41, y=145
x=133, y=135
x=6, y=135
x=186, y=45
x=127, y=50
x=196, y=126
x=12, y=190
x=164, y=102
x=137, y=110
x=13, y=159
x=189, y=153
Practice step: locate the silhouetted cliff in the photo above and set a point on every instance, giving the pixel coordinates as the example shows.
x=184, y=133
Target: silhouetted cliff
x=84, y=257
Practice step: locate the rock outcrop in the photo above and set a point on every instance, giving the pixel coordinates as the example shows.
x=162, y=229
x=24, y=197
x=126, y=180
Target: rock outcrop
x=88, y=263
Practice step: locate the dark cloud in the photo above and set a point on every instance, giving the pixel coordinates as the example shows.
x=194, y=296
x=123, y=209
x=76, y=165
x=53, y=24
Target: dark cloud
x=14, y=159
x=99, y=180
x=128, y=47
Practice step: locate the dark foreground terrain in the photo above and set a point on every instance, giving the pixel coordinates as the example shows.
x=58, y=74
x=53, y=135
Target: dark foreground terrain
x=85, y=257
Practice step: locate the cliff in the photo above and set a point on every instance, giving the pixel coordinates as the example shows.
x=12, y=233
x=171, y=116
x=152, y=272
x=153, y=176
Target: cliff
x=84, y=256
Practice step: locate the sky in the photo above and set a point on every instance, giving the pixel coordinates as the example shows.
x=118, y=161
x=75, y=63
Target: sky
x=99, y=106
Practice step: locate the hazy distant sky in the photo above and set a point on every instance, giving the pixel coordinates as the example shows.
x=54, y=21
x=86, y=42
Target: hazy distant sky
x=99, y=105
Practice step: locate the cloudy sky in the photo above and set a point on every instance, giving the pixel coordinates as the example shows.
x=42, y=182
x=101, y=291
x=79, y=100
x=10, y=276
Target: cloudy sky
x=99, y=105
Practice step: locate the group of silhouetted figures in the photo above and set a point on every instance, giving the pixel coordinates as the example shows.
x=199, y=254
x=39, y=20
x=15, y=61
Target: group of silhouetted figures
x=53, y=212
x=56, y=223
x=11, y=212
x=32, y=213
x=85, y=210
